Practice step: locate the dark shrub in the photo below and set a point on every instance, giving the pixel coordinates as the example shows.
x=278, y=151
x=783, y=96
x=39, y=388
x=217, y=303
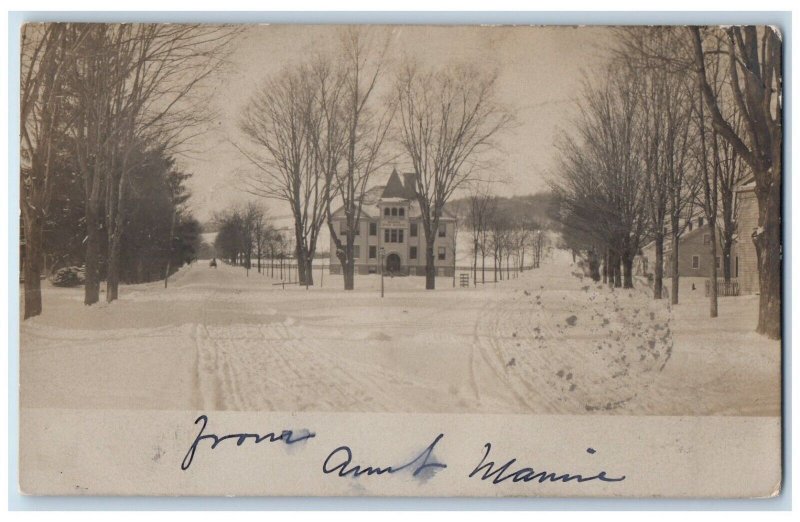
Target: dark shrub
x=68, y=276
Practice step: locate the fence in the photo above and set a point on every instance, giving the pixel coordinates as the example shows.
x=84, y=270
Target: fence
x=724, y=289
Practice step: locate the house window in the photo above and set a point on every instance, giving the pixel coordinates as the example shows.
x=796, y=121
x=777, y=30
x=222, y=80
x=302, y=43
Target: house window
x=737, y=267
x=385, y=235
x=386, y=211
x=695, y=262
x=401, y=212
x=706, y=239
x=400, y=235
x=356, y=251
x=394, y=211
x=343, y=229
x=393, y=235
x=443, y=231
x=700, y=222
x=442, y=253
x=412, y=253
x=373, y=229
x=373, y=252
x=413, y=232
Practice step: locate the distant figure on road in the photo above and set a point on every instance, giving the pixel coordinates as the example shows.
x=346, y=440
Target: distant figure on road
x=213, y=263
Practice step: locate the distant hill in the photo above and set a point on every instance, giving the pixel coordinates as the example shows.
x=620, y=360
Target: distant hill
x=541, y=207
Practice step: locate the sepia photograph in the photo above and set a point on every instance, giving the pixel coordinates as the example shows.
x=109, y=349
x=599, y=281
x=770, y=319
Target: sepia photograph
x=572, y=223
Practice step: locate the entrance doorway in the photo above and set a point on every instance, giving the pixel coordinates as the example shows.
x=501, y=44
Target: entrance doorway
x=392, y=263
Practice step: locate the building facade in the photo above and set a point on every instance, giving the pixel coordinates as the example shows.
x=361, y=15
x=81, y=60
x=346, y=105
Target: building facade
x=391, y=224
x=746, y=225
x=694, y=253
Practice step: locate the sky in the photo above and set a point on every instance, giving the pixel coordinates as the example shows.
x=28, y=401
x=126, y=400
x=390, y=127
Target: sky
x=541, y=70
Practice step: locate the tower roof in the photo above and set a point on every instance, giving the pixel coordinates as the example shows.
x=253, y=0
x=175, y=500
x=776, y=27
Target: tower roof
x=394, y=188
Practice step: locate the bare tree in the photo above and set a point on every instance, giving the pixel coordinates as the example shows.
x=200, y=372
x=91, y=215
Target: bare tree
x=287, y=167
x=478, y=217
x=601, y=181
x=755, y=71
x=43, y=118
x=447, y=122
x=132, y=87
x=348, y=131
x=656, y=57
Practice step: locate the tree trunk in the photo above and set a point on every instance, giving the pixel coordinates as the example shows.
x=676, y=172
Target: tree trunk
x=112, y=272
x=348, y=267
x=475, y=264
x=32, y=268
x=627, y=270
x=674, y=269
x=348, y=270
x=658, y=269
x=768, y=244
x=169, y=250
x=430, y=269
x=712, y=290
x=605, y=267
x=727, y=246
x=483, y=266
x=594, y=266
x=92, y=270
x=309, y=271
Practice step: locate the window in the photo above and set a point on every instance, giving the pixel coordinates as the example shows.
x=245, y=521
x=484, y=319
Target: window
x=706, y=239
x=373, y=252
x=394, y=211
x=695, y=262
x=412, y=253
x=356, y=251
x=690, y=225
x=443, y=231
x=393, y=235
x=373, y=229
x=401, y=212
x=343, y=228
x=386, y=211
x=700, y=222
x=413, y=230
x=718, y=264
x=442, y=253
x=737, y=267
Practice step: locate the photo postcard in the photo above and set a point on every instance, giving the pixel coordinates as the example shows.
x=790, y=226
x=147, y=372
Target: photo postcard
x=406, y=260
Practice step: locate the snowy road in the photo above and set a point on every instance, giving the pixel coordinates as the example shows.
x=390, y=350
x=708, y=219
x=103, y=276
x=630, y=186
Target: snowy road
x=551, y=341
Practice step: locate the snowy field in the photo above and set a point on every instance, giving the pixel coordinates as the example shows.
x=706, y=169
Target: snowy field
x=550, y=341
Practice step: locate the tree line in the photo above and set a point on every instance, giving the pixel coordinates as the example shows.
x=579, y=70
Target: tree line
x=316, y=132
x=104, y=110
x=246, y=233
x=682, y=117
x=511, y=232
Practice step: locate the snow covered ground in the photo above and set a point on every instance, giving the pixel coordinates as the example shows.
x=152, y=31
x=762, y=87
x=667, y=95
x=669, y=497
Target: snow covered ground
x=550, y=341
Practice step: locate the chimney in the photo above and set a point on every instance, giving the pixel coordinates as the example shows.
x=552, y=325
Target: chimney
x=410, y=183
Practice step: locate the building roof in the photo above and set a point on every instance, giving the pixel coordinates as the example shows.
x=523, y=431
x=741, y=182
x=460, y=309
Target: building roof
x=394, y=188
x=395, y=191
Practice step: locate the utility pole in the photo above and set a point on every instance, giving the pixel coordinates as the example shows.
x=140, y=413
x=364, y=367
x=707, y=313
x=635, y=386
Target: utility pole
x=381, y=259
